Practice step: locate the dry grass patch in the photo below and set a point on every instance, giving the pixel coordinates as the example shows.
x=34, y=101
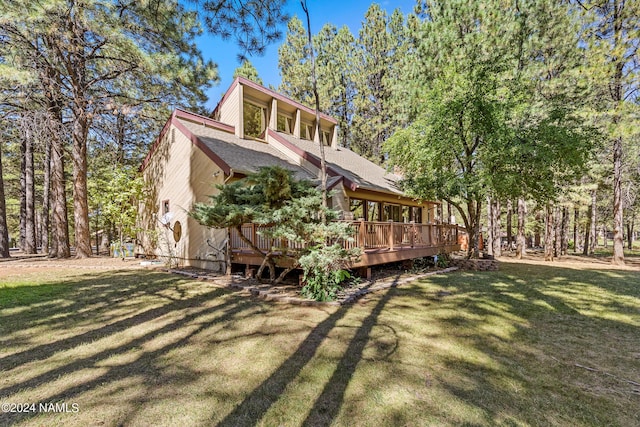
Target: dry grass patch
x=499, y=348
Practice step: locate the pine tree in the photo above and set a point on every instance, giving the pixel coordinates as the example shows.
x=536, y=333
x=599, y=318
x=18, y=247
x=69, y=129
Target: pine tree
x=295, y=68
x=612, y=35
x=379, y=50
x=335, y=62
x=248, y=71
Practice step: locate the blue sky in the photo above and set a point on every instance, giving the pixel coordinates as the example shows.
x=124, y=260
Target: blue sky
x=337, y=12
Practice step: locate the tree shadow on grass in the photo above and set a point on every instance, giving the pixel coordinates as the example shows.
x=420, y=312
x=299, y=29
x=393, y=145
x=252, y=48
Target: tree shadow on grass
x=522, y=335
x=107, y=289
x=196, y=319
x=327, y=406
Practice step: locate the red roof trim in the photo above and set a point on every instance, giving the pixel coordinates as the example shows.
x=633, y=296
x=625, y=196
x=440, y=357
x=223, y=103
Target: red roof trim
x=225, y=96
x=202, y=146
x=276, y=95
x=310, y=158
x=193, y=117
x=173, y=120
x=155, y=144
x=207, y=121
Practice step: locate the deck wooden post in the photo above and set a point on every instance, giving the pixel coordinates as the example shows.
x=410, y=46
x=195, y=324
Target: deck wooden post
x=253, y=234
x=413, y=233
x=391, y=234
x=362, y=234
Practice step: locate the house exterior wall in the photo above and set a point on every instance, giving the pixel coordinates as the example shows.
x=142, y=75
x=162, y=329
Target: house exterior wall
x=231, y=109
x=181, y=174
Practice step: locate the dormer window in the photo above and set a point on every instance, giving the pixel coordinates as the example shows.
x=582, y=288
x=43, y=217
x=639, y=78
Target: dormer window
x=255, y=119
x=307, y=131
x=325, y=137
x=285, y=123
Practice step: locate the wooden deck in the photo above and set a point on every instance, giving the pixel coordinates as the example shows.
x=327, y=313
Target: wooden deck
x=381, y=242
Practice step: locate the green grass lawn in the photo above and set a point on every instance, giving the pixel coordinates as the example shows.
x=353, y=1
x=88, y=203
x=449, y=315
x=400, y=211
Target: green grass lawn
x=527, y=345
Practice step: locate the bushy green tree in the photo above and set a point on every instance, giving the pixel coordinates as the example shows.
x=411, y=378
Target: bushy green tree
x=293, y=211
x=479, y=125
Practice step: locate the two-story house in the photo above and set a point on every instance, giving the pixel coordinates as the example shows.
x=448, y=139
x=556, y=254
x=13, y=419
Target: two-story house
x=253, y=126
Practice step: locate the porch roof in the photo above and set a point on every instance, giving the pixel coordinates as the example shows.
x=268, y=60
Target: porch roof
x=356, y=169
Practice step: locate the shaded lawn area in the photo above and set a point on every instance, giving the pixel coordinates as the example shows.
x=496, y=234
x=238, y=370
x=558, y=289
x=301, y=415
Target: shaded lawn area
x=488, y=348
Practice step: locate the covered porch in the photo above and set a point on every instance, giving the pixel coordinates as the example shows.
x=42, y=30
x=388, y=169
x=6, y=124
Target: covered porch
x=381, y=242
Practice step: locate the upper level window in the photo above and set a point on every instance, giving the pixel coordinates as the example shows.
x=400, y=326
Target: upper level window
x=306, y=131
x=285, y=123
x=255, y=120
x=325, y=137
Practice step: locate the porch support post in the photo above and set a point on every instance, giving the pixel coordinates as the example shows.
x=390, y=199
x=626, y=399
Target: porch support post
x=391, y=235
x=413, y=233
x=253, y=234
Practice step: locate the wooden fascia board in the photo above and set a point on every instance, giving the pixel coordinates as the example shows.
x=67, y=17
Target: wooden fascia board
x=310, y=158
x=338, y=181
x=389, y=197
x=195, y=140
x=154, y=146
x=197, y=118
x=225, y=96
x=207, y=121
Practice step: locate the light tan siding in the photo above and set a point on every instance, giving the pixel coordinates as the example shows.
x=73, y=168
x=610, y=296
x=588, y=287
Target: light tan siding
x=230, y=109
x=180, y=173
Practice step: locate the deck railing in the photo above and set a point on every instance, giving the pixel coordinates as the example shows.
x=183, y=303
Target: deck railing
x=368, y=235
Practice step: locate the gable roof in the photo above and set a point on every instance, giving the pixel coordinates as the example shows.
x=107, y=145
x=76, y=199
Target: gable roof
x=243, y=156
x=276, y=95
x=239, y=155
x=357, y=171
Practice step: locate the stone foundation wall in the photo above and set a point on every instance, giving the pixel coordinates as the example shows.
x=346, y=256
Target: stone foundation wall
x=475, y=264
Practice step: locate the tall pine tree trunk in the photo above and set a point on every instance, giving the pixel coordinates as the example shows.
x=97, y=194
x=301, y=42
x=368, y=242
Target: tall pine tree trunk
x=548, y=234
x=60, y=239
x=509, y=224
x=27, y=201
x=587, y=232
x=557, y=230
x=565, y=231
x=45, y=240
x=618, y=246
x=521, y=244
x=59, y=220
x=618, y=97
x=80, y=194
x=4, y=231
x=490, y=227
x=497, y=230
x=593, y=238
x=576, y=217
